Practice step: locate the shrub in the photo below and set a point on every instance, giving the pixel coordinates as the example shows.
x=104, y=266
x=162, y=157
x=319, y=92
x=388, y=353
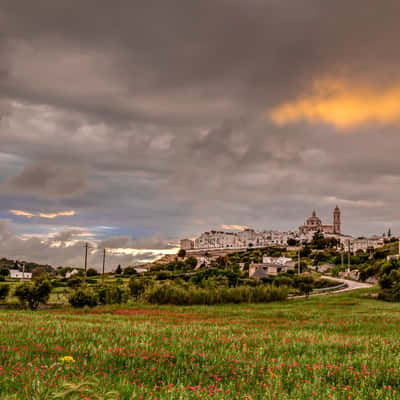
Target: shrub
x=164, y=275
x=4, y=291
x=83, y=296
x=111, y=294
x=169, y=293
x=283, y=281
x=4, y=272
x=128, y=271
x=191, y=262
x=74, y=282
x=34, y=293
x=304, y=283
x=137, y=286
x=91, y=272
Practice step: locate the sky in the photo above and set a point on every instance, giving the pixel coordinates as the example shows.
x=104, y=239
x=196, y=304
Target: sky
x=132, y=124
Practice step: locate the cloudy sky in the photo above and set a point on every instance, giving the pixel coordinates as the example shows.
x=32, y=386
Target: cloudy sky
x=130, y=124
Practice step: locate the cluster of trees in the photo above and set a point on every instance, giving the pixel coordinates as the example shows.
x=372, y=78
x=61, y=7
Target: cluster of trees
x=29, y=294
x=98, y=295
x=389, y=281
x=320, y=242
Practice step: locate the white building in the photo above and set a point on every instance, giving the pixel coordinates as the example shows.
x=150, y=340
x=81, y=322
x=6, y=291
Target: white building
x=363, y=244
x=238, y=240
x=70, y=273
x=187, y=244
x=16, y=274
x=271, y=266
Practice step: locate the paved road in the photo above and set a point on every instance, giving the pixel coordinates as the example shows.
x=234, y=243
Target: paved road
x=351, y=285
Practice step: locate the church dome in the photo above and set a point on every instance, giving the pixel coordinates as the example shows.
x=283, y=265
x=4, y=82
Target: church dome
x=314, y=220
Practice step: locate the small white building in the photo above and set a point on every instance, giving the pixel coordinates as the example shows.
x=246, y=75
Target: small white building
x=70, y=273
x=271, y=266
x=16, y=274
x=363, y=244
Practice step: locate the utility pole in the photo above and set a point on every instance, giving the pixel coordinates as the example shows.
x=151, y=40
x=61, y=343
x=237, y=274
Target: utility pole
x=348, y=257
x=104, y=263
x=86, y=250
x=298, y=261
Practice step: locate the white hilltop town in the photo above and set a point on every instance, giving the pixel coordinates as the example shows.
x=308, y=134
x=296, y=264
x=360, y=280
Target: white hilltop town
x=218, y=240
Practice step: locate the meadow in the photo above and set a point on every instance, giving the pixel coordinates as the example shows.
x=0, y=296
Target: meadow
x=342, y=346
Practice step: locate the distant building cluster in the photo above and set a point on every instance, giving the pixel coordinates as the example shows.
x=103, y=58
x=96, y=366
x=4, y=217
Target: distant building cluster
x=216, y=239
x=238, y=240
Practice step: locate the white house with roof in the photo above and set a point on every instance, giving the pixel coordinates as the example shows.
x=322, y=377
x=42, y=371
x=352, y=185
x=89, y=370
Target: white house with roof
x=16, y=274
x=271, y=266
x=70, y=273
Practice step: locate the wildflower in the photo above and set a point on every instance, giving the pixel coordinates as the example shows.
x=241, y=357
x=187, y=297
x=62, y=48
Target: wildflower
x=67, y=359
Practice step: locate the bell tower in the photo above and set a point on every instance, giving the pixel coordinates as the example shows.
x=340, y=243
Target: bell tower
x=336, y=220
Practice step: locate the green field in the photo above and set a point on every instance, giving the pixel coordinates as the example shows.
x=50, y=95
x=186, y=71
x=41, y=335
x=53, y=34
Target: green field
x=330, y=347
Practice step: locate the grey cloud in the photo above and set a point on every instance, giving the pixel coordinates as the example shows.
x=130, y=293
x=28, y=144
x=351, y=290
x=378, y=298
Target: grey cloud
x=58, y=250
x=127, y=242
x=149, y=115
x=47, y=178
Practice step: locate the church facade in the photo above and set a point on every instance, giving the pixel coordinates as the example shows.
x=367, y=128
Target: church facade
x=314, y=224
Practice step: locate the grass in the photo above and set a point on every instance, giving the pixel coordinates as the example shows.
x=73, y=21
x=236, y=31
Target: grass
x=342, y=346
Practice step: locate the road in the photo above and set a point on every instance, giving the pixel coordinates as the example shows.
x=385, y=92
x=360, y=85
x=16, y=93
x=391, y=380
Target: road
x=351, y=285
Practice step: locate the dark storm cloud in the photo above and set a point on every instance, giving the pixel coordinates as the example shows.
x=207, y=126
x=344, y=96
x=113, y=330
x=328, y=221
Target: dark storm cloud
x=152, y=116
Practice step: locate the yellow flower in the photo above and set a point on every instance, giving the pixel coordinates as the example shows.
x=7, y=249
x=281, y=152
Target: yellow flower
x=67, y=359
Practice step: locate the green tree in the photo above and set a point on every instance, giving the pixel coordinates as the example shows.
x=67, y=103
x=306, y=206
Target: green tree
x=128, y=271
x=182, y=253
x=304, y=283
x=191, y=262
x=34, y=293
x=4, y=272
x=83, y=296
x=118, y=271
x=91, y=272
x=4, y=291
x=293, y=242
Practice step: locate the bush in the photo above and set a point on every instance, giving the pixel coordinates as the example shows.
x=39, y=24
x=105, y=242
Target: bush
x=34, y=293
x=169, y=293
x=83, y=296
x=91, y=272
x=111, y=294
x=4, y=272
x=137, y=286
x=128, y=271
x=304, y=283
x=283, y=281
x=164, y=275
x=191, y=262
x=4, y=291
x=74, y=282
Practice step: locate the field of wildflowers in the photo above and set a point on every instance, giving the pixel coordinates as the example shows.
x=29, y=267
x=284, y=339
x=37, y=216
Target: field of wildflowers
x=330, y=347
